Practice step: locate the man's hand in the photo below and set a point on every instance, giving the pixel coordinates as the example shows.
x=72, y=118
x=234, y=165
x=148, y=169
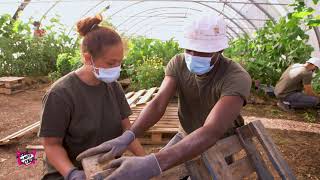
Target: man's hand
x=111, y=149
x=133, y=168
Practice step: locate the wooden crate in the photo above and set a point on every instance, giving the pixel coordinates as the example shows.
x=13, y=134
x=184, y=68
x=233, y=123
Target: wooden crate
x=212, y=164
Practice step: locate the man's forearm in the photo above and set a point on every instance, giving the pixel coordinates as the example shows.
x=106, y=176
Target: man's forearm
x=189, y=147
x=58, y=157
x=149, y=116
x=217, y=123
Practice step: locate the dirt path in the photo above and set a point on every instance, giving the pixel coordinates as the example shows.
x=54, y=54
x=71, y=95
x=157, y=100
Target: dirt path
x=298, y=141
x=283, y=124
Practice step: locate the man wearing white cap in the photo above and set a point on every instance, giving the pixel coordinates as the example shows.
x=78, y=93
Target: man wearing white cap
x=212, y=90
x=294, y=89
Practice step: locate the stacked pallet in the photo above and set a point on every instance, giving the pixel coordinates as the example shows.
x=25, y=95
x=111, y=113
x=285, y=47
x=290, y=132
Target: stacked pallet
x=160, y=133
x=168, y=125
x=11, y=85
x=164, y=130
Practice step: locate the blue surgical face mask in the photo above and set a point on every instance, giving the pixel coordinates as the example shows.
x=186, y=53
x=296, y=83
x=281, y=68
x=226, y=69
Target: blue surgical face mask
x=198, y=65
x=107, y=75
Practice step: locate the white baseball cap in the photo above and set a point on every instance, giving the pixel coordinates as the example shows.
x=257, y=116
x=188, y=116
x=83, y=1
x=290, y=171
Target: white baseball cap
x=315, y=61
x=206, y=33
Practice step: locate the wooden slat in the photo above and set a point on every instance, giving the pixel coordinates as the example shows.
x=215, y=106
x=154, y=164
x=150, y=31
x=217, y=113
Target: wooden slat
x=8, y=91
x=148, y=141
x=156, y=137
x=254, y=156
x=10, y=79
x=164, y=130
x=229, y=146
x=136, y=96
x=241, y=168
x=19, y=133
x=129, y=94
x=274, y=155
x=197, y=170
x=13, y=86
x=144, y=99
x=35, y=147
x=215, y=161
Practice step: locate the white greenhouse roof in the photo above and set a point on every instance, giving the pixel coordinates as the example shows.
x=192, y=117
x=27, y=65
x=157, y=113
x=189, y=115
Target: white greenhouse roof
x=162, y=19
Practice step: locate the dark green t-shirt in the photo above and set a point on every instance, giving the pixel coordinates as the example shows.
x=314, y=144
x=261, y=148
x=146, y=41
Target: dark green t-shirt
x=84, y=116
x=199, y=94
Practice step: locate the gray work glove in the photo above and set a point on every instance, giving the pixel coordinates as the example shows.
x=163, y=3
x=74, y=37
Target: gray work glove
x=111, y=148
x=176, y=138
x=75, y=174
x=133, y=168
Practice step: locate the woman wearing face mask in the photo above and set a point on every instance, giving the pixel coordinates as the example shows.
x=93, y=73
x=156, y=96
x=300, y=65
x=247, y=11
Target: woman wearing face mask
x=86, y=107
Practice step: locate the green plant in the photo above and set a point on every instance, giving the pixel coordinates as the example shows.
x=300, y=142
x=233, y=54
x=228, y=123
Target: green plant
x=142, y=49
x=310, y=117
x=66, y=63
x=316, y=83
x=276, y=45
x=305, y=13
x=21, y=54
x=273, y=48
x=149, y=74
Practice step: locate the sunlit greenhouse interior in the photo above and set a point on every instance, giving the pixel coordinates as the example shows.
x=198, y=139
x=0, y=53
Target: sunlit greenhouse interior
x=40, y=45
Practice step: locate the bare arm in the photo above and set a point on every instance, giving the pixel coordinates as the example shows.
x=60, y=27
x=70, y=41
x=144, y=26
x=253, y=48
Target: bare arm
x=309, y=91
x=57, y=155
x=152, y=113
x=135, y=147
x=218, y=121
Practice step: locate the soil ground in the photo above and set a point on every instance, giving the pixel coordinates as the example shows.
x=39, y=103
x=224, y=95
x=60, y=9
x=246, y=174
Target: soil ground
x=299, y=145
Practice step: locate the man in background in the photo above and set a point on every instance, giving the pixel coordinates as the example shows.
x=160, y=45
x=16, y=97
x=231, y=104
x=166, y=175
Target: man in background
x=294, y=89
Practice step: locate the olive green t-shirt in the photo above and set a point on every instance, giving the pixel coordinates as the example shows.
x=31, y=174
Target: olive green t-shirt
x=292, y=80
x=84, y=116
x=199, y=94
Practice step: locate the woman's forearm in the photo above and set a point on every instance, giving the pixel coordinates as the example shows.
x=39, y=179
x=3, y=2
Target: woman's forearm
x=136, y=148
x=58, y=158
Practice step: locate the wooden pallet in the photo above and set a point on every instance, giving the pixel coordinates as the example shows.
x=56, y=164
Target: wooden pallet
x=11, y=85
x=141, y=97
x=164, y=130
x=135, y=99
x=212, y=164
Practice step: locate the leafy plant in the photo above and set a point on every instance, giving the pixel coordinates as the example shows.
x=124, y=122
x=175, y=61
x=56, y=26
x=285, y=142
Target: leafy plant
x=22, y=54
x=316, y=83
x=273, y=48
x=149, y=74
x=305, y=13
x=276, y=45
x=143, y=49
x=310, y=117
x=66, y=63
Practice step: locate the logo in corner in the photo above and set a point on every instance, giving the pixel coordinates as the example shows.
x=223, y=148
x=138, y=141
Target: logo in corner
x=26, y=158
